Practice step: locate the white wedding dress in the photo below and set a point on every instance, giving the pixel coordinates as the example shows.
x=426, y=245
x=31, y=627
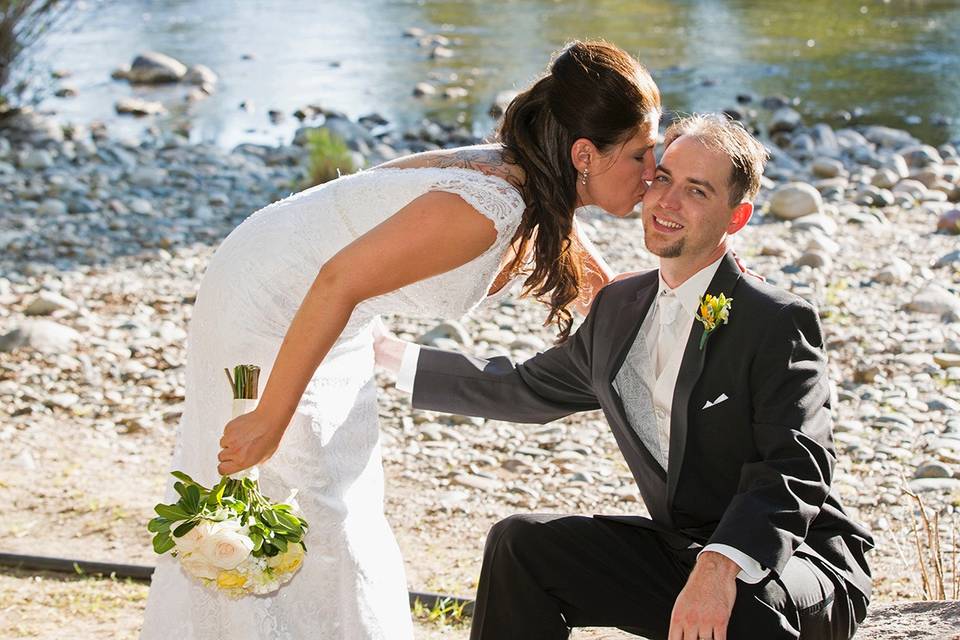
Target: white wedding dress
x=352, y=584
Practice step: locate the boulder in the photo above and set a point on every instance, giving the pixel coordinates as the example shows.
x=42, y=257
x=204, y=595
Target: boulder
x=795, y=200
x=153, y=67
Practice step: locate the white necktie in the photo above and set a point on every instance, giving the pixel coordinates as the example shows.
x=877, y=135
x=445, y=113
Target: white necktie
x=669, y=312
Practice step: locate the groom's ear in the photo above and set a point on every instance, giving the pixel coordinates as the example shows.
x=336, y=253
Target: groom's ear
x=582, y=153
x=740, y=217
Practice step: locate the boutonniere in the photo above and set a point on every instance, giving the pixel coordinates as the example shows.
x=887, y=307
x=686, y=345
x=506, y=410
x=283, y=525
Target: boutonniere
x=713, y=311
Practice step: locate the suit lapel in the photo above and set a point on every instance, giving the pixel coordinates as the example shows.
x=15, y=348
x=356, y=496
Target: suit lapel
x=691, y=367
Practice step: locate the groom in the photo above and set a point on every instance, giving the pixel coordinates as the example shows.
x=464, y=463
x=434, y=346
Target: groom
x=725, y=427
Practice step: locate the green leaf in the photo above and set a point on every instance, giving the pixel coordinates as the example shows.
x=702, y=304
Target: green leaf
x=192, y=499
x=280, y=543
x=171, y=512
x=185, y=528
x=158, y=524
x=181, y=489
x=180, y=475
x=257, y=540
x=162, y=542
x=270, y=518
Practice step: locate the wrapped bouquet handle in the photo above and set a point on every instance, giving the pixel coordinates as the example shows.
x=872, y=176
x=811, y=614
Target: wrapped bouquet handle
x=244, y=384
x=231, y=537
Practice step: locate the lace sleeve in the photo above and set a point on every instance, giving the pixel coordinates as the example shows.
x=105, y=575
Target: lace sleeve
x=493, y=197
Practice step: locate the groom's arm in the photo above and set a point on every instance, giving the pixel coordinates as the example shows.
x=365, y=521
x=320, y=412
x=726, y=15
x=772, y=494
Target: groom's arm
x=781, y=493
x=548, y=386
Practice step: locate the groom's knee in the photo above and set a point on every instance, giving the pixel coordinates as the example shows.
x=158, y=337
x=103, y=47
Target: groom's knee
x=513, y=535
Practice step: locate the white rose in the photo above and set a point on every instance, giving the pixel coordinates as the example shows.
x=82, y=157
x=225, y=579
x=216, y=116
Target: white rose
x=197, y=566
x=188, y=542
x=227, y=545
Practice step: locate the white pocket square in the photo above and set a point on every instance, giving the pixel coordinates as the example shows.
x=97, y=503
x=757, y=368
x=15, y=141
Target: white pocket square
x=712, y=403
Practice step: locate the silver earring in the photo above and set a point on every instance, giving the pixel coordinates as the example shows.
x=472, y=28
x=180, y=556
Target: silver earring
x=583, y=177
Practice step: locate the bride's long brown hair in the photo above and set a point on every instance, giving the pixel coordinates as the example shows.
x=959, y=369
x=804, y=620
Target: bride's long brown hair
x=596, y=91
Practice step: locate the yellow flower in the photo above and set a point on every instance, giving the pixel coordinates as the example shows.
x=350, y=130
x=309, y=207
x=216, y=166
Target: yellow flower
x=714, y=311
x=288, y=561
x=231, y=580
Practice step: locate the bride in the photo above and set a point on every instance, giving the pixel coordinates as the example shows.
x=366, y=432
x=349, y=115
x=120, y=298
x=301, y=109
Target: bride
x=297, y=289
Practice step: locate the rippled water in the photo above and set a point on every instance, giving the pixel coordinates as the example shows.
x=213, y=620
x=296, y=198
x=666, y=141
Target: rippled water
x=898, y=61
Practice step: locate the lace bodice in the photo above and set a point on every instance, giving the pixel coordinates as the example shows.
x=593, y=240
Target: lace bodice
x=291, y=240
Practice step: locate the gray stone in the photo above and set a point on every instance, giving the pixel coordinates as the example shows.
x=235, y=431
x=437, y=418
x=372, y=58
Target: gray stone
x=947, y=360
x=944, y=485
x=817, y=221
x=35, y=159
x=48, y=302
x=40, y=335
x=423, y=89
x=501, y=101
x=449, y=330
x=934, y=299
x=897, y=272
x=149, y=177
x=888, y=137
x=784, y=119
x=52, y=207
x=200, y=74
x=153, y=67
x=477, y=482
x=795, y=200
x=921, y=156
x=827, y=168
x=814, y=259
x=913, y=620
x=943, y=404
x=139, y=107
x=885, y=179
x=912, y=187
x=949, y=222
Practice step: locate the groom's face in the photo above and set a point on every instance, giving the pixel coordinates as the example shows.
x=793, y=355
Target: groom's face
x=686, y=210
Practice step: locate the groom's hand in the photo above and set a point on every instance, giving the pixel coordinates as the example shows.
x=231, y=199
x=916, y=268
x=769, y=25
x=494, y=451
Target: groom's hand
x=703, y=608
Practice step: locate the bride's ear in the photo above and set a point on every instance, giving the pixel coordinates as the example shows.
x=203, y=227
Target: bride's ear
x=582, y=153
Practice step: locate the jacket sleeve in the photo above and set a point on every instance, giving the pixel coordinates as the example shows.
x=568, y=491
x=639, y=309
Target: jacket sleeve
x=548, y=386
x=781, y=493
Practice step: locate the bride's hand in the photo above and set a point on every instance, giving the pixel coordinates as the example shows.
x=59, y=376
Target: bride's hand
x=248, y=440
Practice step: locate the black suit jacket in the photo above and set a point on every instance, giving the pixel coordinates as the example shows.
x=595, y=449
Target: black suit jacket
x=753, y=472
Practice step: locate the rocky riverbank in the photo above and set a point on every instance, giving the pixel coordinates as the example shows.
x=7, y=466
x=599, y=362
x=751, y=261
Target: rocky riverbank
x=103, y=241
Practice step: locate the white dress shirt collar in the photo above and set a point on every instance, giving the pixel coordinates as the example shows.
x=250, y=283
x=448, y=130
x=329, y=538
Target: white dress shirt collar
x=691, y=289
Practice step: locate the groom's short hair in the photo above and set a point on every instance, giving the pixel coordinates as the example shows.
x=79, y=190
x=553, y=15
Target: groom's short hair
x=720, y=133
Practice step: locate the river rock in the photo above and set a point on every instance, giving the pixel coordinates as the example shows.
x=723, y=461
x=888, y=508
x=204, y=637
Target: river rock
x=795, y=200
x=896, y=272
x=949, y=222
x=934, y=299
x=948, y=259
x=52, y=207
x=816, y=221
x=424, y=89
x=477, y=482
x=200, y=74
x=47, y=302
x=45, y=336
x=921, y=156
x=814, y=259
x=947, y=360
x=139, y=107
x=784, y=119
x=153, y=67
x=827, y=168
x=500, y=102
x=449, y=330
x=888, y=136
x=35, y=159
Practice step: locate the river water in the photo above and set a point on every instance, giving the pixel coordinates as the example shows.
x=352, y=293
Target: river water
x=897, y=61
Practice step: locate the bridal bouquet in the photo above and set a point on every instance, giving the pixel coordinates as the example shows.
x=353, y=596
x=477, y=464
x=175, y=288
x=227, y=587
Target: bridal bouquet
x=231, y=537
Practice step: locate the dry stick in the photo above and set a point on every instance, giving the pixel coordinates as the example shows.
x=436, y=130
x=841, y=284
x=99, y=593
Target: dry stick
x=953, y=545
x=920, y=554
x=233, y=385
x=938, y=557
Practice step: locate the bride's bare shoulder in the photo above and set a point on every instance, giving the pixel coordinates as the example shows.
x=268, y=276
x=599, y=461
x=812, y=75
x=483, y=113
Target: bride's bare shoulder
x=486, y=159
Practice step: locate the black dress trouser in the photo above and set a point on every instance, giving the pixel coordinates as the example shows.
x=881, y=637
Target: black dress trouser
x=543, y=574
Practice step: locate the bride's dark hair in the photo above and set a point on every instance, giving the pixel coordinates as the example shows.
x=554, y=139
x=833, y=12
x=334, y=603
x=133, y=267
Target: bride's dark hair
x=596, y=91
